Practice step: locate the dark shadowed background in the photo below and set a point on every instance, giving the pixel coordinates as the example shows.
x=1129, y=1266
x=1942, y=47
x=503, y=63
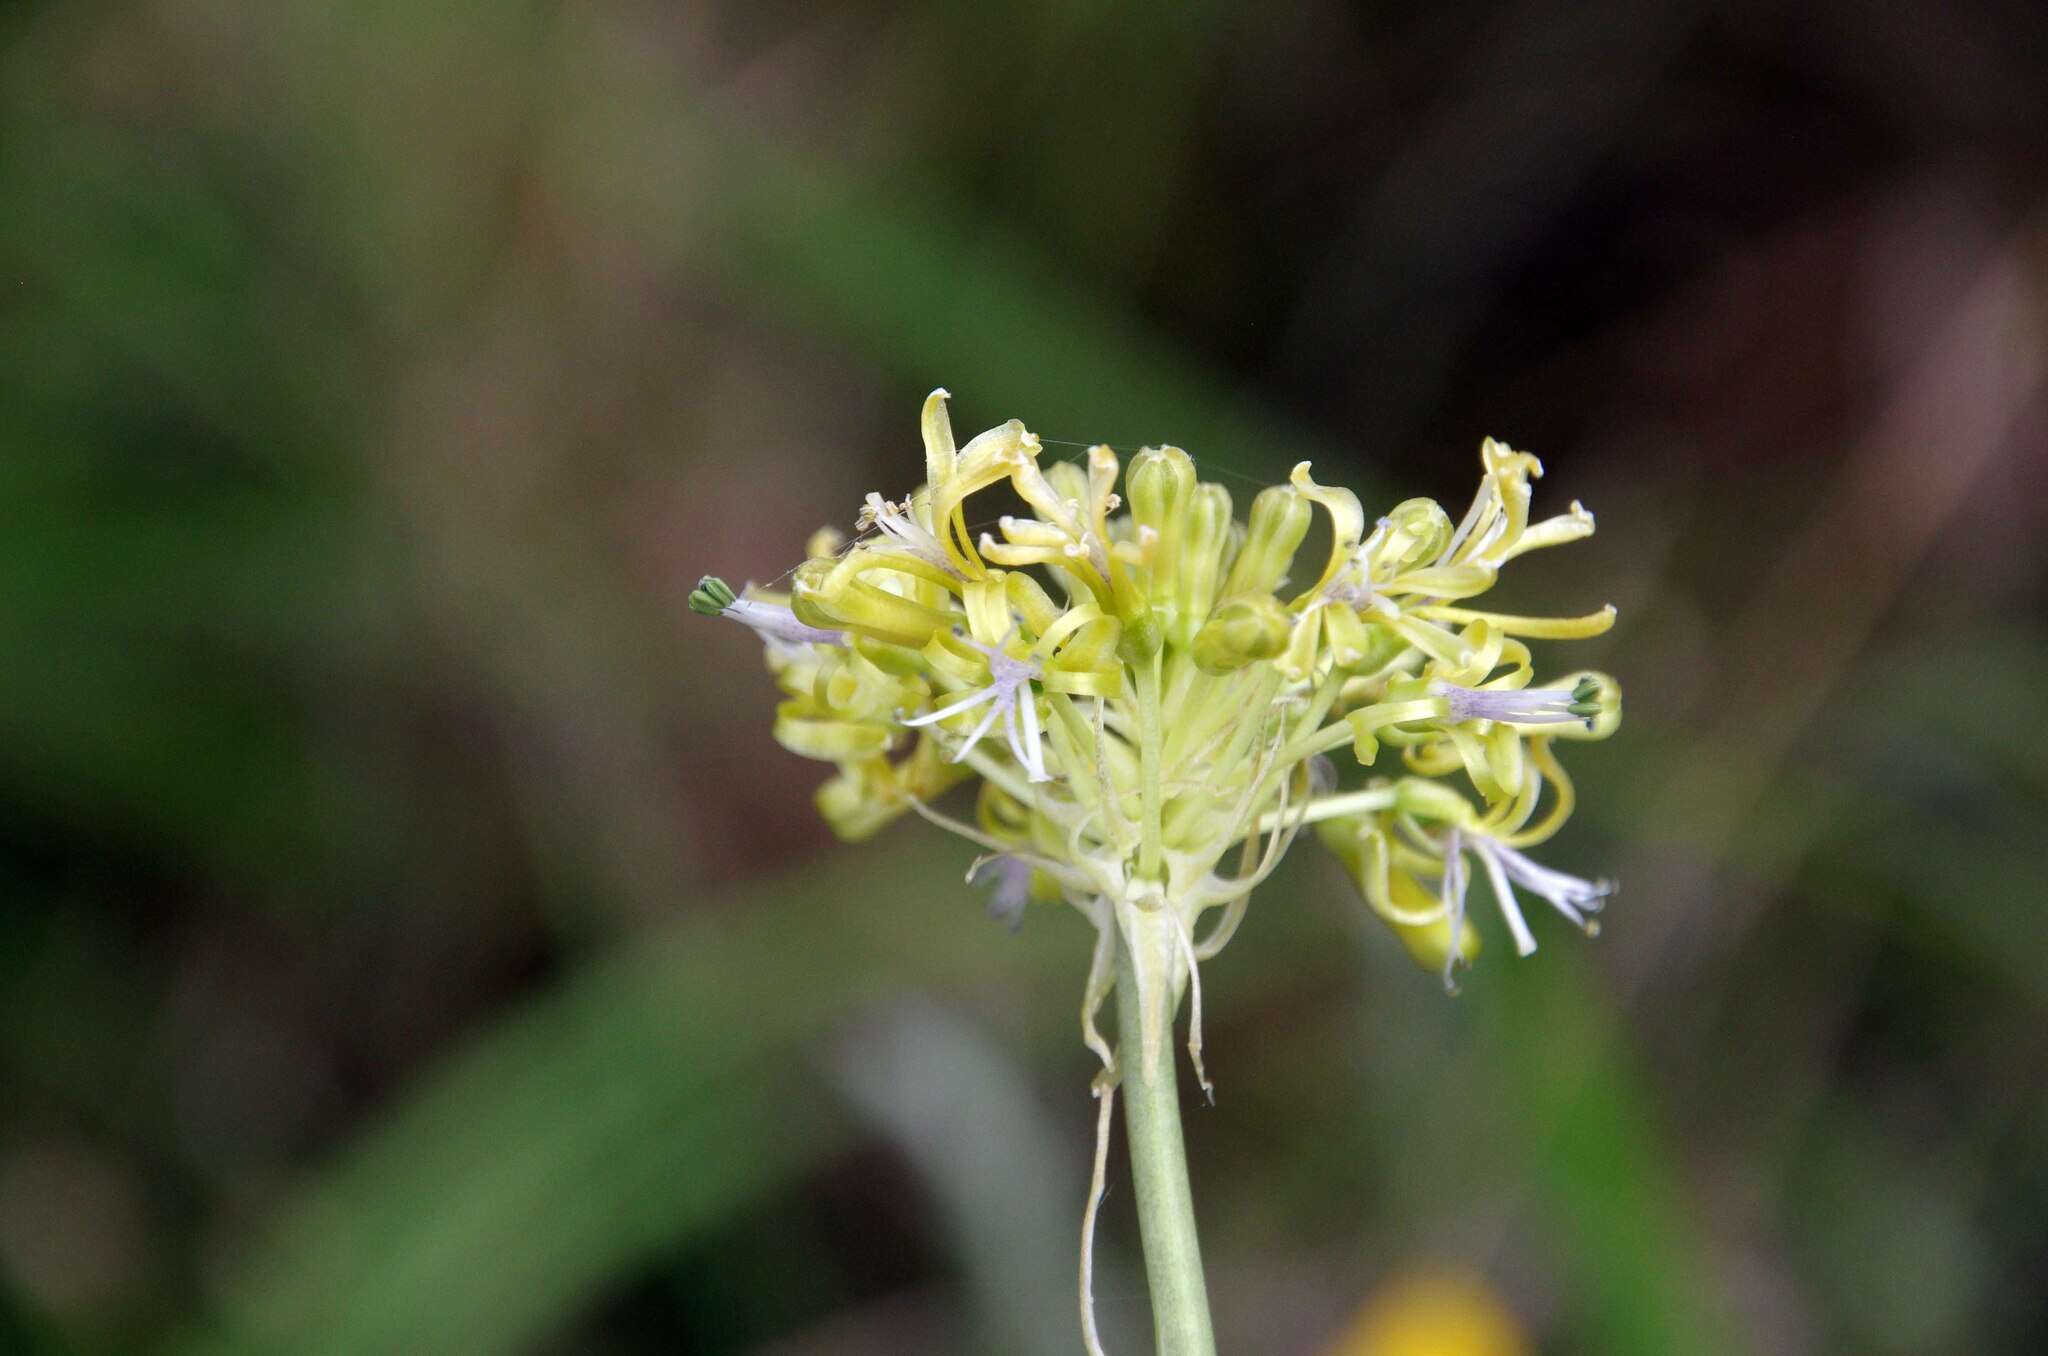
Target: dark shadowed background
x=411, y=939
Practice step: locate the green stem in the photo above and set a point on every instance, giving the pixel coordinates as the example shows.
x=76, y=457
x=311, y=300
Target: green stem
x=1159, y=1172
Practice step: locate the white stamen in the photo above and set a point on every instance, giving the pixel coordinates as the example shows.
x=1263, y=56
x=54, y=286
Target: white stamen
x=1511, y=706
x=1504, y=896
x=895, y=522
x=998, y=708
x=971, y=700
x=778, y=625
x=1480, y=503
x=1452, y=892
x=1009, y=691
x=1034, y=765
x=1348, y=591
x=1353, y=584
x=1572, y=896
x=1013, y=735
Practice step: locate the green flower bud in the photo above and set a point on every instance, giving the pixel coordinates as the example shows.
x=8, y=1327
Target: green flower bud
x=1143, y=634
x=1417, y=532
x=1200, y=568
x=1244, y=630
x=1159, y=482
x=1279, y=521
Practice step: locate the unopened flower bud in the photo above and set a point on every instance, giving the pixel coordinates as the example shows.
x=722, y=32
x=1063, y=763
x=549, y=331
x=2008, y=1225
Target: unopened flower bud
x=1143, y=634
x=1279, y=521
x=1200, y=568
x=1244, y=630
x=1416, y=532
x=1158, y=484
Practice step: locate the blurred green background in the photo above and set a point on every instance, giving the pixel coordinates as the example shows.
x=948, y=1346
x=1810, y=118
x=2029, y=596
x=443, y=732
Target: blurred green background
x=412, y=941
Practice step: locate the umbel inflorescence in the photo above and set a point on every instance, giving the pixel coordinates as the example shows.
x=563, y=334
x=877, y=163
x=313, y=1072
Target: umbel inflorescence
x=1151, y=706
x=1154, y=710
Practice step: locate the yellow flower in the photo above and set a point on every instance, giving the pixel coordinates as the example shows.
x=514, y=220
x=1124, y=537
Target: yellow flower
x=1434, y=1312
x=1147, y=707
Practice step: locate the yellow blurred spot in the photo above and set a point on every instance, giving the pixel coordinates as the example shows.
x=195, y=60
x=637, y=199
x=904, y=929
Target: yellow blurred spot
x=1433, y=1312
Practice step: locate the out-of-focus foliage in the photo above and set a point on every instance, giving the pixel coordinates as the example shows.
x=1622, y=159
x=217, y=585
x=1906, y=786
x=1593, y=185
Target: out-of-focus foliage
x=410, y=942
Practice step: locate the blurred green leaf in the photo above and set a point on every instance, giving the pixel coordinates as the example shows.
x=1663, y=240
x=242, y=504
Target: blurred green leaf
x=656, y=1091
x=999, y=1173
x=1885, y=1237
x=1590, y=1122
x=22, y=1333
x=940, y=288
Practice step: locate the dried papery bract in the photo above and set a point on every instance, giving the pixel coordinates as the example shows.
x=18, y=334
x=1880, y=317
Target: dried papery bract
x=1149, y=713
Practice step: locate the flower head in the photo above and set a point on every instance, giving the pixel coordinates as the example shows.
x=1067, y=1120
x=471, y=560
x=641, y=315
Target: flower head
x=1166, y=699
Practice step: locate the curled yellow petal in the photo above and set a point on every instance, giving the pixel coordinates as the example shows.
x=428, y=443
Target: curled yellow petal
x=835, y=741
x=1535, y=628
x=1347, y=523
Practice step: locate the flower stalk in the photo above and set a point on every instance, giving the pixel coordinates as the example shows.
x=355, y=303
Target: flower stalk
x=1159, y=1177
